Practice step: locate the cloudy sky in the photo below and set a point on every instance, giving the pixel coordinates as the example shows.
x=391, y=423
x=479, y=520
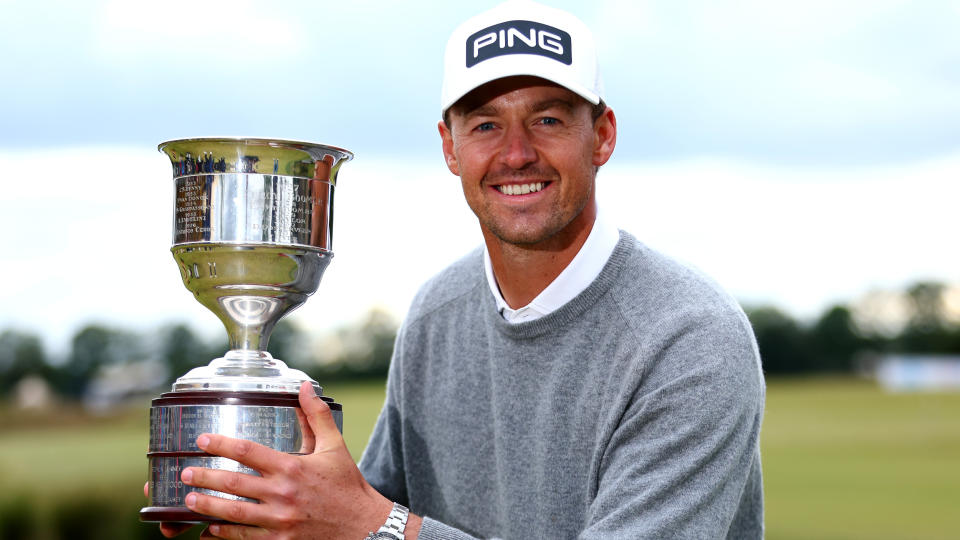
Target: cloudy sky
x=802, y=153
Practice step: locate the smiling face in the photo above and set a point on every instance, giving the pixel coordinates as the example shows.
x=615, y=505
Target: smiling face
x=526, y=151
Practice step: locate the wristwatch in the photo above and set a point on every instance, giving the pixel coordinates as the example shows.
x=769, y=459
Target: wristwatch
x=393, y=528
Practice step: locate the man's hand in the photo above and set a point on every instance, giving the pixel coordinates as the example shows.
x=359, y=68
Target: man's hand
x=319, y=495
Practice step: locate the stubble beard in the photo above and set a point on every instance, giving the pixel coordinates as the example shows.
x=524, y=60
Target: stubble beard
x=528, y=229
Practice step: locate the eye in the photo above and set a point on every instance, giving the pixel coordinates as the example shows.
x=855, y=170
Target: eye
x=485, y=126
x=549, y=121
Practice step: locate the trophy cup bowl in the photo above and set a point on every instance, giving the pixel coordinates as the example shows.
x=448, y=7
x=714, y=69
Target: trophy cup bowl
x=252, y=231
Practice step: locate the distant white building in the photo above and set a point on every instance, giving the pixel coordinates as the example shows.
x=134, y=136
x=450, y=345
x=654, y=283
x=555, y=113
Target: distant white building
x=117, y=383
x=33, y=393
x=903, y=373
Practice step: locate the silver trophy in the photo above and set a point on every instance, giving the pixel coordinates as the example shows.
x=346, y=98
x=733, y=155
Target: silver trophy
x=252, y=229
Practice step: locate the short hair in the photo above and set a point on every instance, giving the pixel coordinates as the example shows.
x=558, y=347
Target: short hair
x=597, y=111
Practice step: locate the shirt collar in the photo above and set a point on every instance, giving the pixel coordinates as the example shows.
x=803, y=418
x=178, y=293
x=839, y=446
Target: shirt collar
x=577, y=276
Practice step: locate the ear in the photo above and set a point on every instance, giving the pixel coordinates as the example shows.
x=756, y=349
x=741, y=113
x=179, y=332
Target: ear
x=604, y=137
x=446, y=138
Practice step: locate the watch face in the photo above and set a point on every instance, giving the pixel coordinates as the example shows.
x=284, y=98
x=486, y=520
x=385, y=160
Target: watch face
x=384, y=536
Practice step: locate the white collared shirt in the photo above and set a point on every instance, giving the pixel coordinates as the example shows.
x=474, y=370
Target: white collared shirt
x=577, y=276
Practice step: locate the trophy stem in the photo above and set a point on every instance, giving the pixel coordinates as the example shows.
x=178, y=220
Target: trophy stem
x=249, y=338
x=243, y=370
x=251, y=357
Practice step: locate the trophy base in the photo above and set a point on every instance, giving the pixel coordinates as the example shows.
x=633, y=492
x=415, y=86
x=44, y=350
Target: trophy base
x=157, y=514
x=178, y=418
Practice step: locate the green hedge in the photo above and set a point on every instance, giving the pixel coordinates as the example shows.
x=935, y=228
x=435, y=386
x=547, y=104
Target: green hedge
x=79, y=516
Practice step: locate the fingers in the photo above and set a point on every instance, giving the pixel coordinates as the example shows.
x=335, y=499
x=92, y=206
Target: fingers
x=237, y=532
x=146, y=489
x=309, y=443
x=229, y=510
x=244, y=485
x=319, y=418
x=170, y=530
x=256, y=456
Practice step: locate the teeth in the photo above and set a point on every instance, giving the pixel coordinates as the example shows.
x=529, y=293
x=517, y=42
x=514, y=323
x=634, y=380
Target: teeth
x=520, y=189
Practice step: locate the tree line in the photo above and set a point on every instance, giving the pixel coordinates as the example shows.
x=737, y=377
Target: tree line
x=837, y=342
x=360, y=350
x=834, y=342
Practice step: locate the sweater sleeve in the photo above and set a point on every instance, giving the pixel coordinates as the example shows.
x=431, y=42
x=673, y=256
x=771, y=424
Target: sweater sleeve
x=434, y=530
x=683, y=461
x=382, y=460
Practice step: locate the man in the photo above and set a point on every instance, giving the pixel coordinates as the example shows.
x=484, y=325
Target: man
x=563, y=381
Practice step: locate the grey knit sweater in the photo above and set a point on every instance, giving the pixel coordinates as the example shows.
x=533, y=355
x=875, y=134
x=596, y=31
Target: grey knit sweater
x=633, y=411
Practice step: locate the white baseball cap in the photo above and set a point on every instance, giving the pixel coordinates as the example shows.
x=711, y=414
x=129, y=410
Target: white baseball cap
x=520, y=37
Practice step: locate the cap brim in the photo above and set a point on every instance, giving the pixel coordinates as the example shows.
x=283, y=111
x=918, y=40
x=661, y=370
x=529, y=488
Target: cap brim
x=508, y=68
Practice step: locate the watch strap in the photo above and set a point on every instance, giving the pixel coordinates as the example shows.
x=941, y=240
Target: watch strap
x=395, y=524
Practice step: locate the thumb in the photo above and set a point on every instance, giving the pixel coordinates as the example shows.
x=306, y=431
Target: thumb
x=320, y=419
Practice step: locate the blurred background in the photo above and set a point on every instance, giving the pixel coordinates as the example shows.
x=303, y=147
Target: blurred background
x=805, y=155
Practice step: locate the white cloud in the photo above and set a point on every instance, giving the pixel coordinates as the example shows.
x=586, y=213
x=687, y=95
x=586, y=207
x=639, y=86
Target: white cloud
x=798, y=238
x=845, y=82
x=96, y=234
x=200, y=33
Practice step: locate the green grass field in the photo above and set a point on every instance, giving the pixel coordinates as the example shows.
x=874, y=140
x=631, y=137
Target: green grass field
x=842, y=459
x=52, y=456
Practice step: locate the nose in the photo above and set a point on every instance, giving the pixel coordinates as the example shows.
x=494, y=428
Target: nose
x=518, y=152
